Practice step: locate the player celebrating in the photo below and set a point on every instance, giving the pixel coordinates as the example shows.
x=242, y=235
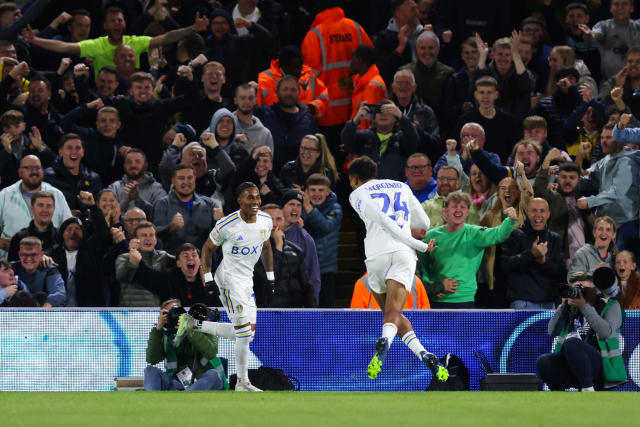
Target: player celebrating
x=244, y=237
x=389, y=210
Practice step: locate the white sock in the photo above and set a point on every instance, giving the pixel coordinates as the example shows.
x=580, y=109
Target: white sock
x=224, y=330
x=389, y=331
x=411, y=340
x=243, y=338
x=587, y=389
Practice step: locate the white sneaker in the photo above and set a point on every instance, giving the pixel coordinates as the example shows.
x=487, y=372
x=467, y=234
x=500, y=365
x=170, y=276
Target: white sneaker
x=246, y=386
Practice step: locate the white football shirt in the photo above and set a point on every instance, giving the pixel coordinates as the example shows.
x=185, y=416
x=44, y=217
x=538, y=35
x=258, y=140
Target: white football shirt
x=389, y=210
x=241, y=247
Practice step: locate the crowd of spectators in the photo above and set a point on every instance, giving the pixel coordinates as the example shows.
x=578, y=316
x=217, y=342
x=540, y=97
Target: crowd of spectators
x=128, y=124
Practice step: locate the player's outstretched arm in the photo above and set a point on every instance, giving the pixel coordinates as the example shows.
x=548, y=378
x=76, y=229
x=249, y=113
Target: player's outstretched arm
x=372, y=212
x=205, y=262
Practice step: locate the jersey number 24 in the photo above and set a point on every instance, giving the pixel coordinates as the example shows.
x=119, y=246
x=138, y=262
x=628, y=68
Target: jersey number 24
x=400, y=212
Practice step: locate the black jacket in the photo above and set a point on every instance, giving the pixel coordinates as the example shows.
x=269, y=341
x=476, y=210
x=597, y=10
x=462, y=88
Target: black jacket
x=9, y=164
x=292, y=173
x=89, y=274
x=527, y=279
x=246, y=173
x=172, y=284
x=292, y=287
x=365, y=142
x=555, y=109
x=71, y=185
x=49, y=238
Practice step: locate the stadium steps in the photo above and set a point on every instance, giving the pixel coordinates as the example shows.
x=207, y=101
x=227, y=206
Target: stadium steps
x=349, y=264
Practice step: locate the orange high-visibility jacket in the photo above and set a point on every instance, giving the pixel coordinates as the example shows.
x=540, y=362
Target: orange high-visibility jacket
x=363, y=298
x=327, y=49
x=312, y=90
x=368, y=88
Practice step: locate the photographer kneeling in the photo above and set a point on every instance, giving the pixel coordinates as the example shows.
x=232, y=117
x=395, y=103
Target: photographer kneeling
x=188, y=365
x=589, y=358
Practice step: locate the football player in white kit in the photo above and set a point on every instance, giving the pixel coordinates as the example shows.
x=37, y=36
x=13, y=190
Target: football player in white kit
x=244, y=237
x=389, y=211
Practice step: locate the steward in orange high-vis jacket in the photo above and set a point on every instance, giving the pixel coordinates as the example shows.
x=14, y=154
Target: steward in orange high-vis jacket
x=313, y=92
x=327, y=49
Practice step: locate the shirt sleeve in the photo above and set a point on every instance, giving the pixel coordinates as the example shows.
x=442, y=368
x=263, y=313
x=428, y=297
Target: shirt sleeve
x=217, y=235
x=419, y=218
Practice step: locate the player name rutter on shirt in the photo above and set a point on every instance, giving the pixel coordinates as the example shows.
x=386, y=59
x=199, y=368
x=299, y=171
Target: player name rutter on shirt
x=241, y=247
x=389, y=211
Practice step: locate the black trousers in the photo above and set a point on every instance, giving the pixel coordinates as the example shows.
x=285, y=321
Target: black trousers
x=578, y=365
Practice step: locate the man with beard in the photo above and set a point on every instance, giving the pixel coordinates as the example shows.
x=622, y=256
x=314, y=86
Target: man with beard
x=184, y=216
x=287, y=122
x=565, y=217
x=212, y=165
x=137, y=187
x=42, y=207
x=249, y=126
x=16, y=199
x=69, y=174
x=183, y=281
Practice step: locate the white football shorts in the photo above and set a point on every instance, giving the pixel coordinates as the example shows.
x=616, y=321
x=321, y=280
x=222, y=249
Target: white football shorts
x=240, y=305
x=399, y=266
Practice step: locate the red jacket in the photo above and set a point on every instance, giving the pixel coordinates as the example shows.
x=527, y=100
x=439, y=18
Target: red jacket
x=312, y=90
x=368, y=88
x=327, y=49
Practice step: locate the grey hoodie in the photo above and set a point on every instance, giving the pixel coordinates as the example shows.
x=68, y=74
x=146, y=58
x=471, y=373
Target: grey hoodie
x=149, y=189
x=587, y=258
x=257, y=133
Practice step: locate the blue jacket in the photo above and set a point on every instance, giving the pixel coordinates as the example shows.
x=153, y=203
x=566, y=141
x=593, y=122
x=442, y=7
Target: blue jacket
x=323, y=223
x=4, y=296
x=47, y=280
x=301, y=238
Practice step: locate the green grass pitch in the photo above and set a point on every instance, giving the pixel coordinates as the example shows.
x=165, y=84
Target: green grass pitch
x=329, y=409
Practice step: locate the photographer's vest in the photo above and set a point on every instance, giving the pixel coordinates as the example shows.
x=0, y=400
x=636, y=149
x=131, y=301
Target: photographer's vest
x=613, y=369
x=171, y=362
